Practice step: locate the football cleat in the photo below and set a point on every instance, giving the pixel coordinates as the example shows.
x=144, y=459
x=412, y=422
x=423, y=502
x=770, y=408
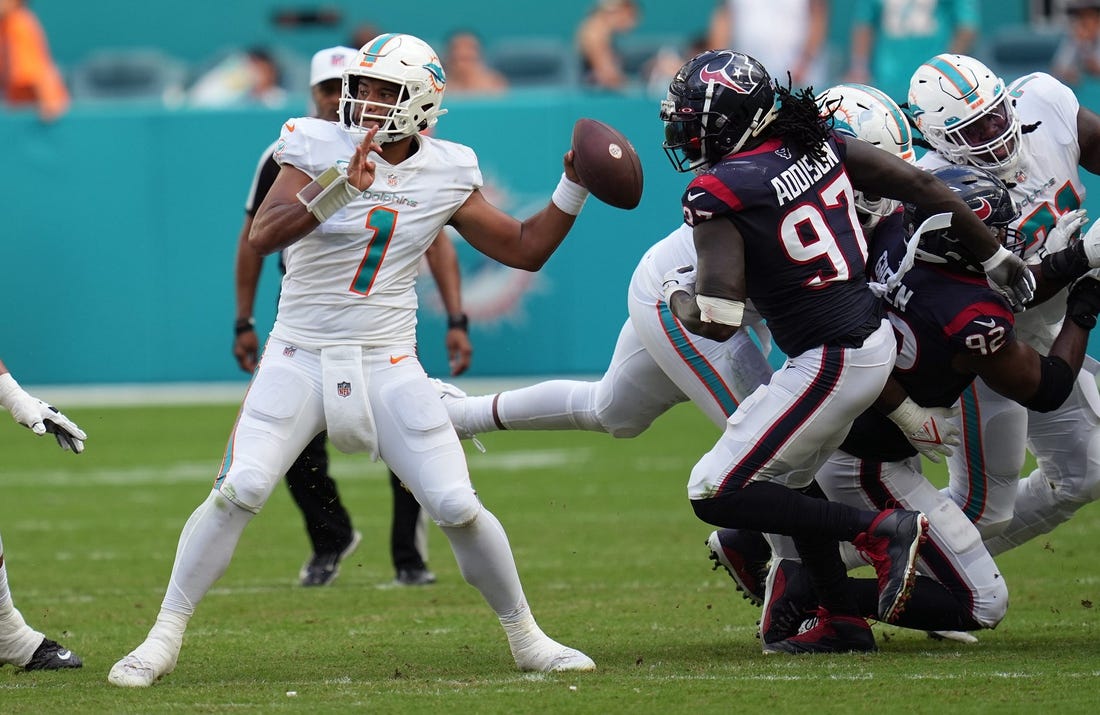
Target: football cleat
x=789, y=599
x=890, y=546
x=829, y=634
x=52, y=656
x=744, y=555
x=548, y=656
x=322, y=569
x=956, y=636
x=146, y=664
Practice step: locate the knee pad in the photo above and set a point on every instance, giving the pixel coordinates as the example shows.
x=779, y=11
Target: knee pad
x=454, y=508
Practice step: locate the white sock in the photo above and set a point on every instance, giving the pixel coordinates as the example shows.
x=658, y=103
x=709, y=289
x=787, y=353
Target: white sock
x=485, y=559
x=18, y=641
x=551, y=405
x=205, y=549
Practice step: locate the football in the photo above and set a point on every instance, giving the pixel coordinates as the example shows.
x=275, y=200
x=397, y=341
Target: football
x=606, y=163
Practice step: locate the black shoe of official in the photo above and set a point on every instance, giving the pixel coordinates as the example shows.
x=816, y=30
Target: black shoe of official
x=52, y=656
x=829, y=633
x=745, y=556
x=322, y=569
x=414, y=577
x=890, y=546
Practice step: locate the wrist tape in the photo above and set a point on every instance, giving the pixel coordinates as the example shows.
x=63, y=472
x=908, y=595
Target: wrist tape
x=336, y=193
x=720, y=310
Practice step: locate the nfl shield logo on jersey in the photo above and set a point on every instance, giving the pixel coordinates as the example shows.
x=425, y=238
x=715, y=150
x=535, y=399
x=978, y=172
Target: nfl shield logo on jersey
x=343, y=389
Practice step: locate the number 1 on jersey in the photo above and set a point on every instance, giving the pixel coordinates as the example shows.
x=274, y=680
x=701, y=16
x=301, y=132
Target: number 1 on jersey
x=382, y=222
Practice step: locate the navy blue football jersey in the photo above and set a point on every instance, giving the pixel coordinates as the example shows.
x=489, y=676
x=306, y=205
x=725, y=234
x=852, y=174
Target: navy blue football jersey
x=937, y=313
x=805, y=254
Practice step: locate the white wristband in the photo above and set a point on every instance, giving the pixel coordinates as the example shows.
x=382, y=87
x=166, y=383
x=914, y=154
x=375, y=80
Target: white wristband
x=335, y=194
x=998, y=256
x=720, y=310
x=569, y=196
x=9, y=389
x=909, y=416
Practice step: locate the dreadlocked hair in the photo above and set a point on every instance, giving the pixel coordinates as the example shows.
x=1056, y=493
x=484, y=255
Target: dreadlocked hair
x=799, y=120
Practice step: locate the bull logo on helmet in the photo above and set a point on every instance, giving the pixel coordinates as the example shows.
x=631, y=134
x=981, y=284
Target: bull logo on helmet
x=732, y=70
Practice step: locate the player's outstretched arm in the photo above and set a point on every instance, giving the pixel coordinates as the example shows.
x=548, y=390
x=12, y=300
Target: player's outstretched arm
x=522, y=244
x=883, y=174
x=38, y=416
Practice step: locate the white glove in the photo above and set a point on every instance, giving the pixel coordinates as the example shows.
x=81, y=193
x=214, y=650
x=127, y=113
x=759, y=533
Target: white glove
x=682, y=278
x=38, y=416
x=1065, y=229
x=928, y=429
x=1007, y=273
x=1091, y=242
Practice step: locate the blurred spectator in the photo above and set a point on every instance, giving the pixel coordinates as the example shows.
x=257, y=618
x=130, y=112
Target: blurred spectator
x=467, y=72
x=891, y=38
x=249, y=77
x=28, y=74
x=363, y=33
x=1079, y=52
x=783, y=35
x=602, y=66
x=659, y=71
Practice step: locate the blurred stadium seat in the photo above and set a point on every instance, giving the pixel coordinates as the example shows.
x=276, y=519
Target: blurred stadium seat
x=133, y=73
x=1020, y=49
x=534, y=61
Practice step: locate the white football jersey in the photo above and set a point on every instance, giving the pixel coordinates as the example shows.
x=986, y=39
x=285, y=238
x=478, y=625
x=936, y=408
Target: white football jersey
x=352, y=281
x=673, y=251
x=1048, y=184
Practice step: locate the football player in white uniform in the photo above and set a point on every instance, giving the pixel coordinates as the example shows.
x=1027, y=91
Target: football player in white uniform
x=1036, y=137
x=21, y=645
x=342, y=353
x=656, y=364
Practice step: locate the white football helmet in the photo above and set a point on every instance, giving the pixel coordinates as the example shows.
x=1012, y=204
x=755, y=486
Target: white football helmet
x=408, y=62
x=861, y=111
x=962, y=109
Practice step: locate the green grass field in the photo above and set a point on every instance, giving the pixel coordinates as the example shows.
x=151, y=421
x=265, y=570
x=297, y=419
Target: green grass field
x=611, y=556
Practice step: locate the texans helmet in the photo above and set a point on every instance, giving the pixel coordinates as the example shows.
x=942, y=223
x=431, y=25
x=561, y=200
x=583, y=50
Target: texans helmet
x=412, y=65
x=718, y=103
x=988, y=197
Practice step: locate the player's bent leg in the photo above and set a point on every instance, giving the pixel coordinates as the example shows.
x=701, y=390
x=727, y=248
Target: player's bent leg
x=985, y=469
x=205, y=548
x=1066, y=444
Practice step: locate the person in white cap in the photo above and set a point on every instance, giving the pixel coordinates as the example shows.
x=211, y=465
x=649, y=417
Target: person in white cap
x=327, y=521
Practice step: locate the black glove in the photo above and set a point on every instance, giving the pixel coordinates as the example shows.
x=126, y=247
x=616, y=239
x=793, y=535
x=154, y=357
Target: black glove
x=1084, y=302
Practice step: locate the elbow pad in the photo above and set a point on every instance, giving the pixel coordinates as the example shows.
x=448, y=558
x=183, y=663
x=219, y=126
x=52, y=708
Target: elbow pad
x=1056, y=380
